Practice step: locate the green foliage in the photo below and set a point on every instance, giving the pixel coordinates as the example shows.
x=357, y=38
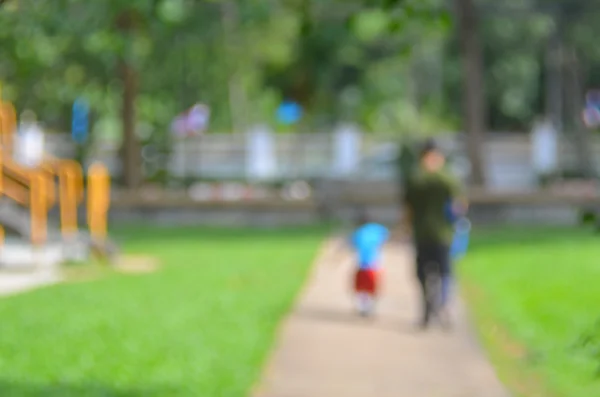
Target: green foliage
x=187, y=51
x=590, y=343
x=371, y=24
x=587, y=217
x=531, y=293
x=173, y=11
x=388, y=65
x=201, y=326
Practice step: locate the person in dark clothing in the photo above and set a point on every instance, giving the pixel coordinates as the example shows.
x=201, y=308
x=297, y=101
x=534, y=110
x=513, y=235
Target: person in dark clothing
x=430, y=194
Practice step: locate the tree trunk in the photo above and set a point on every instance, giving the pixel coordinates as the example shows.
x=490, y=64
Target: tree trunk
x=554, y=83
x=131, y=154
x=582, y=140
x=474, y=100
x=237, y=94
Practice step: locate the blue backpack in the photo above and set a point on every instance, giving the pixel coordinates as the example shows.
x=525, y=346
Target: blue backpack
x=462, y=231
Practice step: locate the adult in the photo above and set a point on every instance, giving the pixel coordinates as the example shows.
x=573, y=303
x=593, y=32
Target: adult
x=430, y=192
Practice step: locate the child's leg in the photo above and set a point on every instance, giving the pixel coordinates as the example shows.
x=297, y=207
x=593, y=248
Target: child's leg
x=370, y=303
x=359, y=291
x=371, y=290
x=362, y=302
x=366, y=289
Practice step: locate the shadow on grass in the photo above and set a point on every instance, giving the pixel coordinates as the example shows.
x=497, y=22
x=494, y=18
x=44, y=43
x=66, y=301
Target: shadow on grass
x=21, y=389
x=589, y=342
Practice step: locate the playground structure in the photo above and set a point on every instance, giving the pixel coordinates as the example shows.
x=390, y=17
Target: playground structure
x=28, y=195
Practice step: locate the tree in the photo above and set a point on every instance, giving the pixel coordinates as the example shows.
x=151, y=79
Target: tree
x=373, y=63
x=474, y=99
x=127, y=23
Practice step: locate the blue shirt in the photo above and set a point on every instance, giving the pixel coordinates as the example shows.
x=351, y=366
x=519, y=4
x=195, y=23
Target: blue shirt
x=460, y=243
x=367, y=241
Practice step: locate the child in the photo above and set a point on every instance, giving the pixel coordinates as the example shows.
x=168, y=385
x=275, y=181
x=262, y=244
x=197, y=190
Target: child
x=367, y=241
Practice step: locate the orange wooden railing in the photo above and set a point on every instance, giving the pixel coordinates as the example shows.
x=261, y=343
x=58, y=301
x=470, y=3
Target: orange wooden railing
x=98, y=201
x=8, y=124
x=36, y=188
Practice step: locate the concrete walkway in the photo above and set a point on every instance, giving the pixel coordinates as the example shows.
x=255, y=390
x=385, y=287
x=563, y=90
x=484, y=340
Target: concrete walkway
x=23, y=267
x=324, y=350
x=13, y=283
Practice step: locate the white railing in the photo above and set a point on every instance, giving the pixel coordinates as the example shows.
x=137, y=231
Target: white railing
x=507, y=156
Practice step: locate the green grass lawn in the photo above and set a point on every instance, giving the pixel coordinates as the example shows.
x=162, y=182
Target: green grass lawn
x=200, y=326
x=535, y=294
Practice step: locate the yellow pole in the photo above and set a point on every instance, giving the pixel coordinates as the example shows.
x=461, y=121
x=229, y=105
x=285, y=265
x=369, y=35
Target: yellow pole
x=1, y=173
x=68, y=202
x=39, y=209
x=98, y=201
x=2, y=121
x=8, y=124
x=2, y=117
x=77, y=174
x=71, y=193
x=2, y=233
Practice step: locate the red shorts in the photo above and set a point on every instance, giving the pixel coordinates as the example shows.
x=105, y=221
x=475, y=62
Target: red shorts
x=366, y=280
